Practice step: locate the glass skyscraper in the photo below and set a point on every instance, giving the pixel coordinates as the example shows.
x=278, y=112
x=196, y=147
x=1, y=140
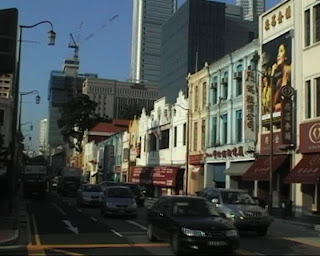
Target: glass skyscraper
x=148, y=17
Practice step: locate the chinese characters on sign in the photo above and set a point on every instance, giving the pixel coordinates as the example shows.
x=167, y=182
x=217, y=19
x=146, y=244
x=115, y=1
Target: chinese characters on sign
x=265, y=143
x=250, y=92
x=277, y=19
x=226, y=153
x=286, y=121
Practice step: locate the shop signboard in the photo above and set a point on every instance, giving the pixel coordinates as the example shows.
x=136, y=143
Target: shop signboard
x=310, y=137
x=265, y=143
x=249, y=108
x=287, y=115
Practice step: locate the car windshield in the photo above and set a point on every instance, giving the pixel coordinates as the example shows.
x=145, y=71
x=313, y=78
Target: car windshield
x=92, y=188
x=193, y=208
x=119, y=193
x=235, y=197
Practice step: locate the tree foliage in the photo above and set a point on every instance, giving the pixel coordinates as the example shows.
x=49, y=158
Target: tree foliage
x=77, y=116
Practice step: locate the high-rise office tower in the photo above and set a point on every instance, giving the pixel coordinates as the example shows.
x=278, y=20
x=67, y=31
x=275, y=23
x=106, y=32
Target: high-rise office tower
x=200, y=31
x=147, y=19
x=43, y=136
x=252, y=8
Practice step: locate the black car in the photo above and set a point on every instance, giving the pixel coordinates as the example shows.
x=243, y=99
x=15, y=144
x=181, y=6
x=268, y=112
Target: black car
x=190, y=223
x=137, y=192
x=104, y=184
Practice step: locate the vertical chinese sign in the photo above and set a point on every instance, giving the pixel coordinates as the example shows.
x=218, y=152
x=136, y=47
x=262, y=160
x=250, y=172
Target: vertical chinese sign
x=249, y=108
x=287, y=115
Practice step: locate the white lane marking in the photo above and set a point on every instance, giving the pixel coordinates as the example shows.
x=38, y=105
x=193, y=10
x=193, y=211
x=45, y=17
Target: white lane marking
x=245, y=252
x=71, y=227
x=59, y=209
x=79, y=210
x=94, y=219
x=116, y=233
x=136, y=224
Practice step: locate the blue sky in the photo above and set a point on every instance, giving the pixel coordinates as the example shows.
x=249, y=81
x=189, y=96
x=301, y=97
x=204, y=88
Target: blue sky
x=106, y=53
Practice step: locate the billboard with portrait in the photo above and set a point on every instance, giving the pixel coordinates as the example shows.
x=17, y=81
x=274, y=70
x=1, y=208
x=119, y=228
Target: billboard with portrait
x=276, y=65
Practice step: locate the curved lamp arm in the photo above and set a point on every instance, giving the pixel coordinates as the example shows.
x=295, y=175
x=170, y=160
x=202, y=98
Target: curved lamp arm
x=51, y=33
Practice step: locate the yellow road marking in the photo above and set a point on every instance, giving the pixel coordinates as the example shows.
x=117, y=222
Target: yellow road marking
x=36, y=233
x=66, y=252
x=59, y=209
x=302, y=241
x=88, y=246
x=37, y=250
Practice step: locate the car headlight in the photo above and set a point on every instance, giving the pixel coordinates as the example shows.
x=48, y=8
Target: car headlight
x=111, y=205
x=231, y=233
x=133, y=205
x=233, y=214
x=191, y=232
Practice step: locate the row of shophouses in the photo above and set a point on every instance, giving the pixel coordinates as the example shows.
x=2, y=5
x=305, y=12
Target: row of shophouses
x=222, y=126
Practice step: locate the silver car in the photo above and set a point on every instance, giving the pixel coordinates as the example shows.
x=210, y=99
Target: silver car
x=239, y=207
x=117, y=201
x=89, y=194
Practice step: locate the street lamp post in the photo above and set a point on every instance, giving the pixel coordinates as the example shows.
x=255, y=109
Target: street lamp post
x=14, y=142
x=31, y=125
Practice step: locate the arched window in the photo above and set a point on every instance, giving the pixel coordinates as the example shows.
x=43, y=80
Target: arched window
x=238, y=78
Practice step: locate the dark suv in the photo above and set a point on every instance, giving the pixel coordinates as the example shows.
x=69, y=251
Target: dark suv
x=238, y=206
x=137, y=192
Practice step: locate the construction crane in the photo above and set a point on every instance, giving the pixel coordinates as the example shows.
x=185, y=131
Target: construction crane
x=75, y=45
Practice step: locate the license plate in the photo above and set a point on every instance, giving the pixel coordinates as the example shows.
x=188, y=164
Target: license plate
x=217, y=243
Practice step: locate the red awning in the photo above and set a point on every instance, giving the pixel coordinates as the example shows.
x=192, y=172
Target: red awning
x=307, y=171
x=261, y=167
x=161, y=176
x=141, y=175
x=165, y=176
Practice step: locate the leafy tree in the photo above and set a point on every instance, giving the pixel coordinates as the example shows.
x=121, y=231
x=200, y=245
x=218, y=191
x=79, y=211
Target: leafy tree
x=77, y=116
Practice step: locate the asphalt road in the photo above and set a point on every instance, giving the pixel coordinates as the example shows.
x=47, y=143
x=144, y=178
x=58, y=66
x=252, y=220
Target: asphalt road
x=59, y=227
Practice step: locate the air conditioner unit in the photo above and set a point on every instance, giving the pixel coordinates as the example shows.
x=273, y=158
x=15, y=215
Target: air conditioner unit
x=237, y=75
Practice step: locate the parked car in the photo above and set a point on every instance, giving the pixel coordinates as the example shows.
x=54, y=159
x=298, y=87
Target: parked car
x=104, y=184
x=137, y=192
x=190, y=223
x=238, y=206
x=89, y=194
x=118, y=200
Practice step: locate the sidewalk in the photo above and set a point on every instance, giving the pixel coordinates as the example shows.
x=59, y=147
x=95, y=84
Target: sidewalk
x=13, y=227
x=311, y=221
